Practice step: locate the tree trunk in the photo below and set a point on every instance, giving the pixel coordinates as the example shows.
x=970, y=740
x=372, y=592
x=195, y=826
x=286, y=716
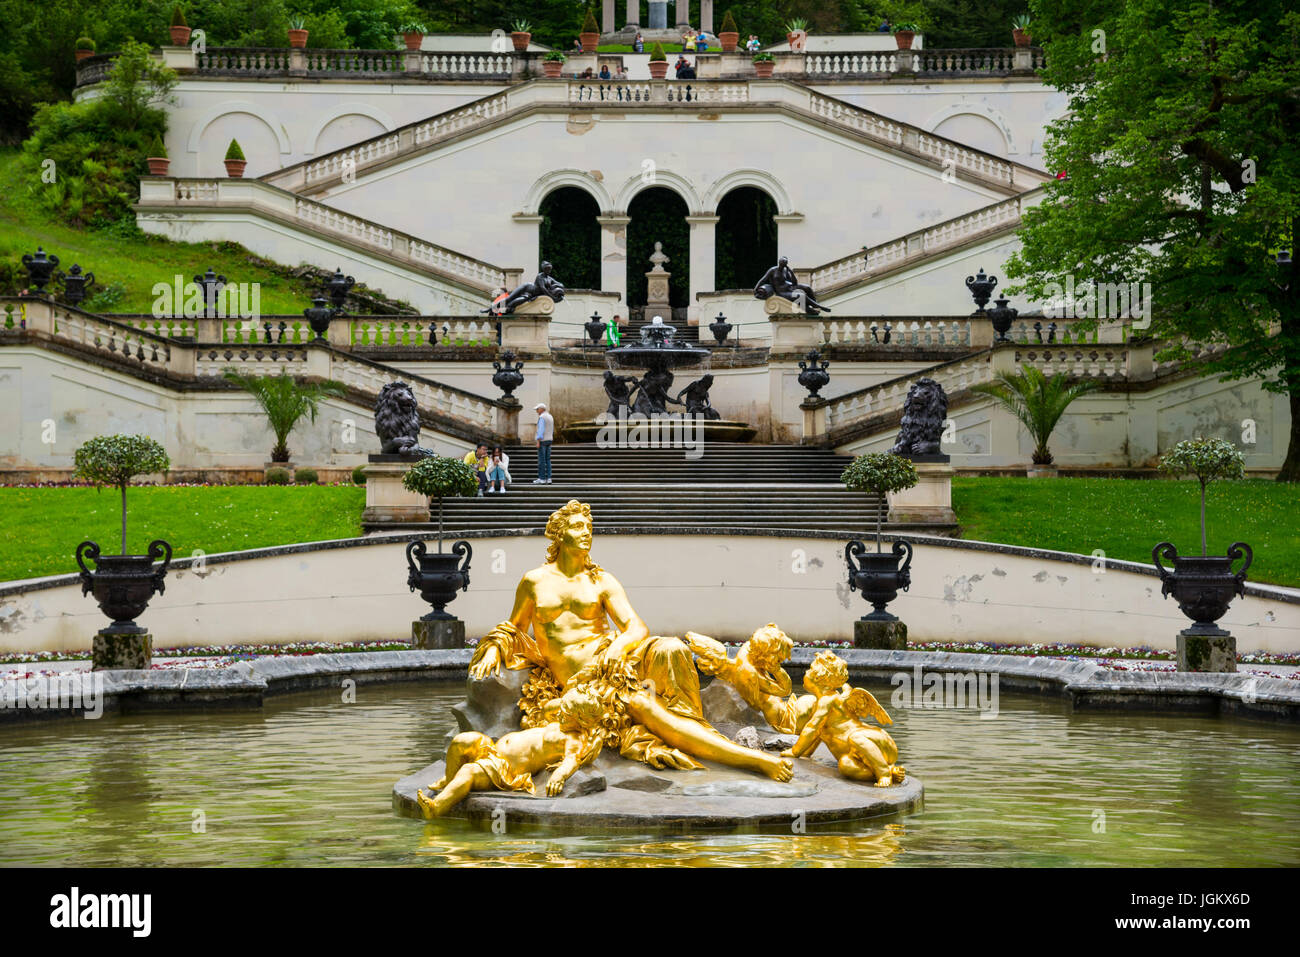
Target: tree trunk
x=1204, y=550
x=440, y=526
x=1291, y=466
x=123, y=518
x=878, y=547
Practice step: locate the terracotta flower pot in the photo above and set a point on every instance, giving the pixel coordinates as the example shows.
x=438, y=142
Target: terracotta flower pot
x=82, y=54
x=798, y=41
x=521, y=41
x=413, y=40
x=180, y=36
x=904, y=39
x=235, y=168
x=658, y=69
x=298, y=38
x=552, y=67
x=764, y=68
x=158, y=165
x=729, y=41
x=589, y=41
x=1041, y=471
x=1021, y=37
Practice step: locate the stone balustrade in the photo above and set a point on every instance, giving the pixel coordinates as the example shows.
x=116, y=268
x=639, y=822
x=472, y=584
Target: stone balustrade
x=897, y=334
x=884, y=397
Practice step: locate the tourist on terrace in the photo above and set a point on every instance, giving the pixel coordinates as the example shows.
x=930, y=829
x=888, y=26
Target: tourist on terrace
x=884, y=26
x=545, y=436
x=702, y=42
x=752, y=45
x=613, y=336
x=498, y=473
x=604, y=72
x=688, y=40
x=478, y=461
x=622, y=72
x=587, y=74
x=638, y=45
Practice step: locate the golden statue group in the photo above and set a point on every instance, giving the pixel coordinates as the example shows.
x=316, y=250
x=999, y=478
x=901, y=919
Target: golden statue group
x=640, y=694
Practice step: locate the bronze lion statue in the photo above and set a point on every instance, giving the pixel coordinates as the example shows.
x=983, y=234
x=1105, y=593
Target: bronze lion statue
x=925, y=410
x=397, y=421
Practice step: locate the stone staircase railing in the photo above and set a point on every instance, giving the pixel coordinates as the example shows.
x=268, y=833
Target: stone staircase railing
x=1000, y=216
x=862, y=404
x=997, y=61
x=898, y=334
x=380, y=332
x=379, y=64
x=317, y=218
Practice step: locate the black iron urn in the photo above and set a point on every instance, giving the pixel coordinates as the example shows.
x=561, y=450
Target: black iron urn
x=879, y=576
x=720, y=327
x=812, y=373
x=75, y=284
x=507, y=378
x=339, y=286
x=981, y=288
x=319, y=316
x=123, y=584
x=39, y=269
x=1203, y=586
x=595, y=327
x=438, y=575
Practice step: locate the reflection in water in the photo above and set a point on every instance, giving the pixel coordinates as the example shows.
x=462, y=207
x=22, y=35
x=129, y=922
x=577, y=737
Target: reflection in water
x=307, y=781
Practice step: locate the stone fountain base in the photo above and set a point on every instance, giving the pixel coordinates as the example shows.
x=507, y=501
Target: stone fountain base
x=714, y=430
x=613, y=792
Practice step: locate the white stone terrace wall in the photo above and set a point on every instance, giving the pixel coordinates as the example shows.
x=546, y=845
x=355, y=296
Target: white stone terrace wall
x=719, y=585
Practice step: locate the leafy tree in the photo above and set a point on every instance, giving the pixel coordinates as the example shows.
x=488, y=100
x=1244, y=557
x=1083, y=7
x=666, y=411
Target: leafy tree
x=135, y=86
x=1182, y=160
x=439, y=477
x=285, y=402
x=879, y=472
x=1208, y=460
x=1037, y=401
x=115, y=460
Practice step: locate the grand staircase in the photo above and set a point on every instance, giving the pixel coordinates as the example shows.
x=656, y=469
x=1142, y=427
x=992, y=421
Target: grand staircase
x=729, y=486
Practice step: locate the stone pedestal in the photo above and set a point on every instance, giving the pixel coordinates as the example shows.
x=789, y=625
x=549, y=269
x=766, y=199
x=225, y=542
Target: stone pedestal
x=386, y=500
x=438, y=634
x=929, y=502
x=880, y=634
x=656, y=287
x=116, y=650
x=1206, y=651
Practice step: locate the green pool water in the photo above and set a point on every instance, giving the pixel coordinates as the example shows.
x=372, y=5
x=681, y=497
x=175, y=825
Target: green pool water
x=307, y=781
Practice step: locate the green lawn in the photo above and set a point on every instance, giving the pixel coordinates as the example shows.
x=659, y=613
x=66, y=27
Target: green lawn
x=42, y=526
x=137, y=263
x=1125, y=518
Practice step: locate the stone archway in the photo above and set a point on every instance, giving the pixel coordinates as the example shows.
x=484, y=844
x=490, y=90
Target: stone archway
x=658, y=214
x=569, y=236
x=745, y=241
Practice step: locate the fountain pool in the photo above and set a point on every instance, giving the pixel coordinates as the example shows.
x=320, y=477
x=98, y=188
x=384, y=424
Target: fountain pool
x=307, y=781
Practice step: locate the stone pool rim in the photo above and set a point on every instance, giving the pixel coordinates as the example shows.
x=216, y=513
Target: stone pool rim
x=247, y=684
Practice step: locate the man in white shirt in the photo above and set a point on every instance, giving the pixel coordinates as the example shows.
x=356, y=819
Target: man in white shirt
x=545, y=436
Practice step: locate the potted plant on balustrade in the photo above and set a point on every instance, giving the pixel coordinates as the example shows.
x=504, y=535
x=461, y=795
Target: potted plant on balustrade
x=521, y=34
x=122, y=584
x=440, y=575
x=764, y=64
x=235, y=161
x=179, y=29
x=412, y=34
x=85, y=48
x=298, y=32
x=904, y=33
x=796, y=34
x=879, y=576
x=658, y=62
x=729, y=35
x=285, y=401
x=157, y=158
x=589, y=37
x=1020, y=30
x=1204, y=585
x=553, y=63
x=1038, y=402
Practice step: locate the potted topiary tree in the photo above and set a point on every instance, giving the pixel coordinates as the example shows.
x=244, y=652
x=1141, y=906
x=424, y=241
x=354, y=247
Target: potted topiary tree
x=590, y=35
x=157, y=158
x=1039, y=403
x=285, y=402
x=879, y=577
x=234, y=160
x=764, y=64
x=413, y=34
x=439, y=576
x=85, y=48
x=553, y=63
x=1203, y=585
x=298, y=32
x=728, y=36
x=1020, y=30
x=658, y=62
x=122, y=584
x=180, y=30
x=521, y=35
x=904, y=33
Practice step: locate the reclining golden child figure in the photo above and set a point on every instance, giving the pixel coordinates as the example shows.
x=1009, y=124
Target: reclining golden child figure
x=864, y=752
x=755, y=673
x=476, y=763
x=649, y=684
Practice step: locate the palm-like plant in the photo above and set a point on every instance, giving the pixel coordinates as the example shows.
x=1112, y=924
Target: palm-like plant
x=284, y=401
x=1037, y=401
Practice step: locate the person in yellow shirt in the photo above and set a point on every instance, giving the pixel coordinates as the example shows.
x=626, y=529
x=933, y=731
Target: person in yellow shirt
x=478, y=461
